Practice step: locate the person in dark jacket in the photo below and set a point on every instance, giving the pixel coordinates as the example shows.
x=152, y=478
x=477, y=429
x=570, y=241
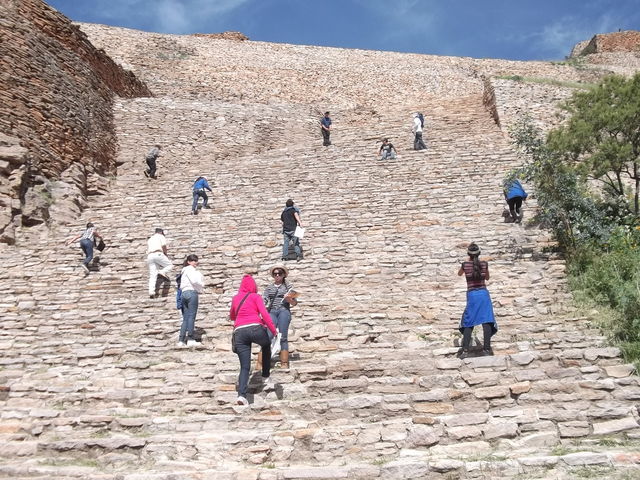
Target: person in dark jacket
x=150, y=158
x=290, y=218
x=199, y=190
x=514, y=194
x=325, y=127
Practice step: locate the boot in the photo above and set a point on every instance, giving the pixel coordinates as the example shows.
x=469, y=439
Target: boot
x=284, y=359
x=259, y=361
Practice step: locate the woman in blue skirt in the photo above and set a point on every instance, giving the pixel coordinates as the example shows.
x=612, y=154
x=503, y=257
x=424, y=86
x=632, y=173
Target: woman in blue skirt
x=479, y=310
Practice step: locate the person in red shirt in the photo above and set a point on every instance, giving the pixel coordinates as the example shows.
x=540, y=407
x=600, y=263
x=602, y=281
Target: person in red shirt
x=479, y=310
x=250, y=323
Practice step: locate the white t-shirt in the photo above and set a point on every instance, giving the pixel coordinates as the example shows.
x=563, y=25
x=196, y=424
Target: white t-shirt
x=156, y=242
x=191, y=279
x=417, y=126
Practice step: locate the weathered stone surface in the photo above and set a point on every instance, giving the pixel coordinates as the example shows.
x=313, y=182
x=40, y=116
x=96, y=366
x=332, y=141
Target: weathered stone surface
x=613, y=426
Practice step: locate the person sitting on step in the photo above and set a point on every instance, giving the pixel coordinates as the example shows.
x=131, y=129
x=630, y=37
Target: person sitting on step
x=479, y=310
x=279, y=297
x=199, y=187
x=387, y=150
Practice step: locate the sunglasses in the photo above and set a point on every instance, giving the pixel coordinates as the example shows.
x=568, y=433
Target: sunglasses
x=278, y=274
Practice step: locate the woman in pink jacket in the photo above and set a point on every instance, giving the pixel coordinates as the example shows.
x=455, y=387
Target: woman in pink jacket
x=250, y=323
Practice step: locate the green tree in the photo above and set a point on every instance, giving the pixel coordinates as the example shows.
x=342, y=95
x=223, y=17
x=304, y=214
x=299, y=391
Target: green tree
x=601, y=139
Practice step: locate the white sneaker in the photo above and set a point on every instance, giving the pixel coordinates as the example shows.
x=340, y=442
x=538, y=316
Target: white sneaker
x=181, y=344
x=268, y=384
x=242, y=401
x=193, y=343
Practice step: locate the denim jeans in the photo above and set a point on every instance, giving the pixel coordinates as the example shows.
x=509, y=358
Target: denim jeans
x=285, y=245
x=281, y=318
x=196, y=196
x=189, y=311
x=87, y=247
x=390, y=155
x=244, y=337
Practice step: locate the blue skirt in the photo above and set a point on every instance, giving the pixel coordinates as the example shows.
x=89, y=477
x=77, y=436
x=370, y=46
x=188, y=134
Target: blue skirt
x=479, y=310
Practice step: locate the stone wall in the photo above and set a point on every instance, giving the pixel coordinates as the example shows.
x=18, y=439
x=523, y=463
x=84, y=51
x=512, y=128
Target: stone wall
x=56, y=94
x=627, y=41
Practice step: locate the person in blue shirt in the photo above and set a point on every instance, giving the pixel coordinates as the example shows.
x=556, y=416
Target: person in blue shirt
x=199, y=187
x=325, y=126
x=514, y=194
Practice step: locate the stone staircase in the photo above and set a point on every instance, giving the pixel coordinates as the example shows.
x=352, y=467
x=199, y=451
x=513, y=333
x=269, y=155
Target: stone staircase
x=93, y=386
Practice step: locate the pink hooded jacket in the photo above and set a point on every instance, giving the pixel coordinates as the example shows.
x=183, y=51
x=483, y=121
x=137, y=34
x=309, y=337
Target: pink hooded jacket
x=253, y=307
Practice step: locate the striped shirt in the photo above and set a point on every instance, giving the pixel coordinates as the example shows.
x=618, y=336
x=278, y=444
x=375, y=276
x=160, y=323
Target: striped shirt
x=473, y=284
x=277, y=292
x=88, y=233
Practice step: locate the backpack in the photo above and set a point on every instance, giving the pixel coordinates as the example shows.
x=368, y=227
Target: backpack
x=421, y=117
x=178, y=292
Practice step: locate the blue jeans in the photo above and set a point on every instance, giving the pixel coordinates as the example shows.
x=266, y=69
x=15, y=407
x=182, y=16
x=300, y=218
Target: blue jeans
x=281, y=318
x=189, y=311
x=285, y=245
x=87, y=247
x=196, y=196
x=244, y=337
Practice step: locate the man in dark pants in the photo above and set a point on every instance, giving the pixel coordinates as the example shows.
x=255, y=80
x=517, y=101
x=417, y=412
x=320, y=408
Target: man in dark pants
x=290, y=218
x=325, y=125
x=151, y=158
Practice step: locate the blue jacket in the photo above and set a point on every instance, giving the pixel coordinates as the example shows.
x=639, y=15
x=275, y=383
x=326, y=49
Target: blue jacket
x=515, y=190
x=201, y=184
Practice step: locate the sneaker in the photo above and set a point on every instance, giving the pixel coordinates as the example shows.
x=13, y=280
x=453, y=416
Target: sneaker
x=181, y=344
x=85, y=268
x=487, y=352
x=242, y=401
x=152, y=296
x=206, y=206
x=193, y=343
x=464, y=354
x=268, y=385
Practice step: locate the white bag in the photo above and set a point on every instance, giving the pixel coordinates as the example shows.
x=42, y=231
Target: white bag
x=299, y=232
x=275, y=345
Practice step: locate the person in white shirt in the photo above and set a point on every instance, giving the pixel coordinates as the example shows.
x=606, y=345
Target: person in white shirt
x=192, y=285
x=418, y=143
x=157, y=260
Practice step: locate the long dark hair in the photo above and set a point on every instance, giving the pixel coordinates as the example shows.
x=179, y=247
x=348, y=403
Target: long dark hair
x=190, y=258
x=474, y=253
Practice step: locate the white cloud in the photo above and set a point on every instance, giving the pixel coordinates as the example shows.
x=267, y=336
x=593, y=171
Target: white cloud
x=169, y=16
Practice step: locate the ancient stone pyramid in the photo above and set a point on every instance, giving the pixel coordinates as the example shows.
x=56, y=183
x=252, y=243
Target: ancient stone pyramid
x=93, y=386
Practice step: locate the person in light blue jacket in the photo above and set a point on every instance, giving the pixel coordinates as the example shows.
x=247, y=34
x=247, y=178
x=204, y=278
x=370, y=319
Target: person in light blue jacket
x=199, y=190
x=514, y=194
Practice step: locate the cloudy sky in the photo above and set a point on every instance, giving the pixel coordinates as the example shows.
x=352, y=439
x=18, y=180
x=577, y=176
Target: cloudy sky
x=511, y=29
